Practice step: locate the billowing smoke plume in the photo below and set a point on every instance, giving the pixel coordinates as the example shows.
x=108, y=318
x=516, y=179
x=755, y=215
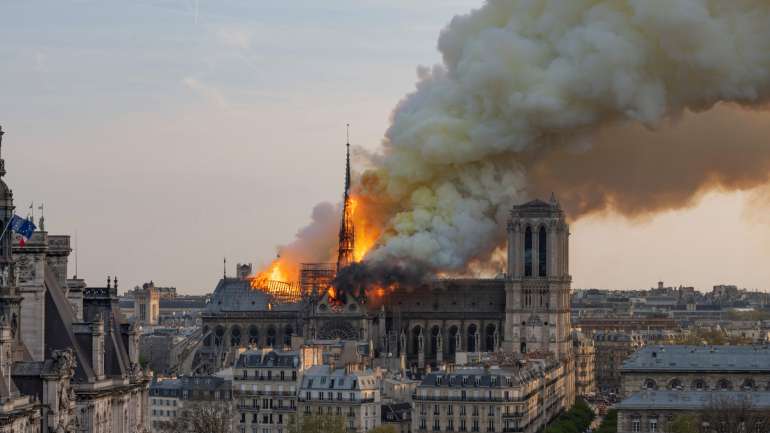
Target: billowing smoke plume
x=540, y=96
x=595, y=100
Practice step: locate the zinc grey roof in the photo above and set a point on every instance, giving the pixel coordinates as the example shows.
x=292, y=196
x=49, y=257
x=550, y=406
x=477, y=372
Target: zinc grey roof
x=700, y=358
x=479, y=378
x=258, y=358
x=322, y=377
x=236, y=295
x=692, y=400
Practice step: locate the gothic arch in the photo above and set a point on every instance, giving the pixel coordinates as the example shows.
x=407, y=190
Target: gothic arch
x=253, y=335
x=542, y=252
x=219, y=335
x=452, y=343
x=675, y=384
x=489, y=338
x=271, y=336
x=235, y=336
x=288, y=331
x=528, y=251
x=472, y=331
x=434, y=334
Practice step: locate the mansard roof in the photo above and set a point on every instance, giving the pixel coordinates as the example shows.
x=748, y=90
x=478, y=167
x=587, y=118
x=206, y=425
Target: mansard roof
x=267, y=358
x=700, y=358
x=481, y=378
x=236, y=295
x=323, y=377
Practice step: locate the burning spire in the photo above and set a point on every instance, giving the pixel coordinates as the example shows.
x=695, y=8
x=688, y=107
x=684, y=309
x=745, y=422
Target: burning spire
x=347, y=232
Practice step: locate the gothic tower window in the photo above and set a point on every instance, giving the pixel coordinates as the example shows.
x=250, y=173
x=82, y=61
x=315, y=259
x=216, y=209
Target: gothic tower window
x=528, y=252
x=472, y=338
x=453, y=339
x=542, y=252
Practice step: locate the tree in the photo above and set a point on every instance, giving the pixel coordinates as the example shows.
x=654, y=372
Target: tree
x=733, y=415
x=575, y=420
x=211, y=417
x=609, y=423
x=383, y=429
x=683, y=424
x=317, y=424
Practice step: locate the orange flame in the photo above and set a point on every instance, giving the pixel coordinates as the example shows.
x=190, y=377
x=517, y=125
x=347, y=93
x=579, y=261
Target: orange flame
x=366, y=232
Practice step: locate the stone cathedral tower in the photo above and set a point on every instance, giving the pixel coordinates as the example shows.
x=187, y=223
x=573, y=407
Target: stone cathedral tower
x=537, y=316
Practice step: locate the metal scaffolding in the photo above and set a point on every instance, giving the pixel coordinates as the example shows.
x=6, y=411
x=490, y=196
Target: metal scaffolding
x=315, y=278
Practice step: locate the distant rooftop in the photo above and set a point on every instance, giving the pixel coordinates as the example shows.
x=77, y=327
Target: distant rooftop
x=700, y=358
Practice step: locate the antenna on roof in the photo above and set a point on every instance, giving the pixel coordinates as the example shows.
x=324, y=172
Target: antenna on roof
x=76, y=254
x=224, y=268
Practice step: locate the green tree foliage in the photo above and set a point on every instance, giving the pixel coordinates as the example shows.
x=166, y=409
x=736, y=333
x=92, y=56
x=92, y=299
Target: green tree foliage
x=383, y=429
x=575, y=420
x=609, y=423
x=317, y=424
x=683, y=424
x=211, y=417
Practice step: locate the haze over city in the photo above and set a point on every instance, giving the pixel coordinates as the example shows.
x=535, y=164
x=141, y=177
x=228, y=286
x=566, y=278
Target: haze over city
x=171, y=134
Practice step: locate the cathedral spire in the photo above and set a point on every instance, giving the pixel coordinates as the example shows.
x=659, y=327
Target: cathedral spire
x=2, y=161
x=347, y=232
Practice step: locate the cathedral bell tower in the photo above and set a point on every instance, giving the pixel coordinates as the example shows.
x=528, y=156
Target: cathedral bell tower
x=10, y=299
x=537, y=316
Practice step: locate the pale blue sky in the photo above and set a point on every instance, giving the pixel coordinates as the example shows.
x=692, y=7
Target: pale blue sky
x=169, y=138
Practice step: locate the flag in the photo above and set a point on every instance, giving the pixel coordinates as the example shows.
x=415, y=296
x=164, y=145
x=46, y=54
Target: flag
x=22, y=226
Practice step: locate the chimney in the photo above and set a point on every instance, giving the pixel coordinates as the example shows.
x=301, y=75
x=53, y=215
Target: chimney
x=97, y=348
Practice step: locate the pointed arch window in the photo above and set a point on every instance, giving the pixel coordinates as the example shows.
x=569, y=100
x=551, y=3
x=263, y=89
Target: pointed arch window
x=542, y=252
x=528, y=252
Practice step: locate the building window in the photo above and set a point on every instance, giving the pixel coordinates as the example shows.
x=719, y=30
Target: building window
x=422, y=424
x=436, y=424
x=542, y=253
x=528, y=252
x=636, y=425
x=653, y=425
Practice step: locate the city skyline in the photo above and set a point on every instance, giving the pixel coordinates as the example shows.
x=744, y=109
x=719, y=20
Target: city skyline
x=180, y=139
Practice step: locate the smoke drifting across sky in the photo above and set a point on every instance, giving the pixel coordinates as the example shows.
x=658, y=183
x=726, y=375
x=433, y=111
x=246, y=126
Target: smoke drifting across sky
x=591, y=99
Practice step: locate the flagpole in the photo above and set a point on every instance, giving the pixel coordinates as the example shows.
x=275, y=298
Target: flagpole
x=6, y=228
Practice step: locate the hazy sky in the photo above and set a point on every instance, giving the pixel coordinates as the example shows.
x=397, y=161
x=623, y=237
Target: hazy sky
x=169, y=134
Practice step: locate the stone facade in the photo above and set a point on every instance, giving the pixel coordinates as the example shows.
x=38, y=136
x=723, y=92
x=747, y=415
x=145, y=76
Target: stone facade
x=612, y=350
x=350, y=392
x=265, y=386
x=520, y=399
x=147, y=305
x=427, y=324
x=67, y=363
x=697, y=368
x=585, y=364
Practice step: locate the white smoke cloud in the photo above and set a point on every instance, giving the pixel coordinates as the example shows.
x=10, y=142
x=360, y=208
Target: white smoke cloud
x=520, y=77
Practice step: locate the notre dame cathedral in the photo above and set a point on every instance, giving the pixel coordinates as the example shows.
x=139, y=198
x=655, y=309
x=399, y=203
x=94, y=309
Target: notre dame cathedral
x=524, y=312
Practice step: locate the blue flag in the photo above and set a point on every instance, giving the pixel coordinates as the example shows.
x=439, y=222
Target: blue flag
x=22, y=226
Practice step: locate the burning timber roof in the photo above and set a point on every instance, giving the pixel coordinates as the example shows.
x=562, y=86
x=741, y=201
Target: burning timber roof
x=236, y=295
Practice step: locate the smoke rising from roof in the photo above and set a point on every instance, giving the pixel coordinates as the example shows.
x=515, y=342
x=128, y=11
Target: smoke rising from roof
x=594, y=100
x=571, y=97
